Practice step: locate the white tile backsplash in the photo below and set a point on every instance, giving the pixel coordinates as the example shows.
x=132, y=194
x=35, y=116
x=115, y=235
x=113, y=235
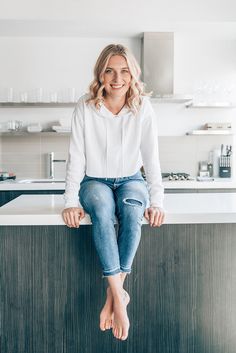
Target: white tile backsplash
x=26, y=155
x=183, y=153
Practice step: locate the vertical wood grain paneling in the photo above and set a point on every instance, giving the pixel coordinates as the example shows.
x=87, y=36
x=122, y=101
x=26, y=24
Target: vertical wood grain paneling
x=182, y=287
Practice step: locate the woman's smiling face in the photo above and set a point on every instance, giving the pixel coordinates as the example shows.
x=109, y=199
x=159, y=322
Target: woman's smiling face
x=117, y=77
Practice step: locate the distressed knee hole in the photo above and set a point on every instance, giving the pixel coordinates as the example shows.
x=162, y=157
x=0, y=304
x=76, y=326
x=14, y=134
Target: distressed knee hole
x=133, y=202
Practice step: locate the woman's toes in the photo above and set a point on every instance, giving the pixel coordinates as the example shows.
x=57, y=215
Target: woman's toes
x=124, y=337
x=116, y=333
x=102, y=327
x=107, y=325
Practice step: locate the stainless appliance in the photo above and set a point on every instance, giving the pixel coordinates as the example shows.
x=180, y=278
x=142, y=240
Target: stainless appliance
x=203, y=169
x=176, y=176
x=158, y=66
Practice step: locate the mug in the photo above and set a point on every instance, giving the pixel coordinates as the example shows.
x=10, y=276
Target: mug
x=14, y=125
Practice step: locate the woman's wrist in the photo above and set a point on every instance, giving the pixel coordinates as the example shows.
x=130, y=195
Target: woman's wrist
x=155, y=206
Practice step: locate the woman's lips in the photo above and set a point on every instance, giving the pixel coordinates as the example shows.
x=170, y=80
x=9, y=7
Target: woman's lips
x=116, y=86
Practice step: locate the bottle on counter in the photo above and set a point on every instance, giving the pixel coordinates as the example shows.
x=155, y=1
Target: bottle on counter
x=210, y=164
x=216, y=162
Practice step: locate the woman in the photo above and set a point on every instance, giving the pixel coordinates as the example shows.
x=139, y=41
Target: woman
x=113, y=135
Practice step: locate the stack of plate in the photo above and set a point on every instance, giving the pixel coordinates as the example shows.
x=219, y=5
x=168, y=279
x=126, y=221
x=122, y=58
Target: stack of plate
x=34, y=128
x=59, y=128
x=63, y=126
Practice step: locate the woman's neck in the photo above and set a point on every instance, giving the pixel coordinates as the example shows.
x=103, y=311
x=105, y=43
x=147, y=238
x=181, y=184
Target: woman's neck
x=114, y=105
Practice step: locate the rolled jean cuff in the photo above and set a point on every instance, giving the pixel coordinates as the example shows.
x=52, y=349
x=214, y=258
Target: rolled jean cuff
x=111, y=272
x=126, y=270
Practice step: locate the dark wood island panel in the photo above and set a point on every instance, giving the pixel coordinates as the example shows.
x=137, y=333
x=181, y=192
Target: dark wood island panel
x=183, y=291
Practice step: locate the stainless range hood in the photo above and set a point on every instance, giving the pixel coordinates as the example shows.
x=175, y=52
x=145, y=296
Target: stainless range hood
x=158, y=66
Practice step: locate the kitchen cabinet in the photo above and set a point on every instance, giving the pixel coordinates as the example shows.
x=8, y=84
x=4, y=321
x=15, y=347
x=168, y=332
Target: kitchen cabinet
x=6, y=196
x=182, y=285
x=218, y=190
x=180, y=191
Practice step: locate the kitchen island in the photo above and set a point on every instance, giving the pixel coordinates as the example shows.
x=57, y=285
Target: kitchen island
x=24, y=184
x=10, y=189
x=182, y=286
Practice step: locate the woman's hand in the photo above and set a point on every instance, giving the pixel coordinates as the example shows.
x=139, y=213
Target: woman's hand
x=155, y=216
x=72, y=216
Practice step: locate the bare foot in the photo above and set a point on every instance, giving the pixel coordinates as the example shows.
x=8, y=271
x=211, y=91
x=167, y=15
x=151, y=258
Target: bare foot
x=121, y=320
x=106, y=315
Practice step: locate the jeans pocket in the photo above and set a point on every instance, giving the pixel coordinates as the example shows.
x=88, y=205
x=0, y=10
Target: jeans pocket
x=136, y=176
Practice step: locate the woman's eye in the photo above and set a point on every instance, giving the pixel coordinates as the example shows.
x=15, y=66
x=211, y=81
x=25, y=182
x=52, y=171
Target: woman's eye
x=108, y=70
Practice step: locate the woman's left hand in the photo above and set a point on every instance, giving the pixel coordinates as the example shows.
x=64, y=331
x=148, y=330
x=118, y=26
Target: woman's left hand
x=155, y=216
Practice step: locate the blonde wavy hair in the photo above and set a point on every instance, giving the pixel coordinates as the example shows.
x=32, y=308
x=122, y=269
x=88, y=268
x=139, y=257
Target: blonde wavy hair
x=136, y=89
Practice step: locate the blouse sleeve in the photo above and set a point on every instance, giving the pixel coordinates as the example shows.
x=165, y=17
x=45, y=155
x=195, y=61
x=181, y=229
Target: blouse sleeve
x=75, y=167
x=150, y=156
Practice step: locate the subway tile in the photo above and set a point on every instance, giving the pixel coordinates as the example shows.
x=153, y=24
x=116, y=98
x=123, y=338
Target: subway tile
x=54, y=144
x=18, y=157
x=24, y=170
x=20, y=144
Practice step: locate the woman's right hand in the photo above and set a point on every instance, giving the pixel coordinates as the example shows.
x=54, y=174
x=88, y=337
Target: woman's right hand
x=72, y=216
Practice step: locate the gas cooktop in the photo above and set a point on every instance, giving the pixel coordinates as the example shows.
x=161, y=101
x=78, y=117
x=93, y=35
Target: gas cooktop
x=176, y=176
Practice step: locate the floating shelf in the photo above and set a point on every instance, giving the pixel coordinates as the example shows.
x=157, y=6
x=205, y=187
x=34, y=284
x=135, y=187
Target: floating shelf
x=25, y=133
x=207, y=132
x=223, y=105
x=42, y=105
x=170, y=99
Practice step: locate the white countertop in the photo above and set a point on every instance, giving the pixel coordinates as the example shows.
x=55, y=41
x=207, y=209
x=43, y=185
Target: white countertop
x=12, y=185
x=180, y=209
x=219, y=183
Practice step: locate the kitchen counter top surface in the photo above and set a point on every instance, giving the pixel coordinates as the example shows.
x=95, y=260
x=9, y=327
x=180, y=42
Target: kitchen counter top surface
x=180, y=209
x=218, y=183
x=22, y=184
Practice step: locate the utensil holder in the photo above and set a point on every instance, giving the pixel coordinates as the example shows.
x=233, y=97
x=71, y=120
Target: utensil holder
x=225, y=167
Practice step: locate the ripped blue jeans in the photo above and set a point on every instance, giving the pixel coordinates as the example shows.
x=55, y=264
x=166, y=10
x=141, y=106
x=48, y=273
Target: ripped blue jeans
x=104, y=199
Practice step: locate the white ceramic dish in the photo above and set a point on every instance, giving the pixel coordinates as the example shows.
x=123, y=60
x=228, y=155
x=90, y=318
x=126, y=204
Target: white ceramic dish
x=59, y=128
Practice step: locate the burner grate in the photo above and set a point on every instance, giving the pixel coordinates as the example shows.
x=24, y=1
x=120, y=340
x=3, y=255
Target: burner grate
x=176, y=176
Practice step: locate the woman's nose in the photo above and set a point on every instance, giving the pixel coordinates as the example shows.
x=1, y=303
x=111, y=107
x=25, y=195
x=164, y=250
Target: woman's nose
x=117, y=76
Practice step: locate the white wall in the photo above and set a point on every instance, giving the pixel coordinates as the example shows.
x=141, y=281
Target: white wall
x=56, y=63
x=91, y=13
x=31, y=62
x=53, y=64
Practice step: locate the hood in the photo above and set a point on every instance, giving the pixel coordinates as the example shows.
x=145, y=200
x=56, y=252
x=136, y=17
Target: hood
x=158, y=66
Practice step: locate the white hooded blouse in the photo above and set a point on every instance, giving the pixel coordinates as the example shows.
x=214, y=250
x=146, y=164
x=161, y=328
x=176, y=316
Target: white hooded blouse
x=105, y=145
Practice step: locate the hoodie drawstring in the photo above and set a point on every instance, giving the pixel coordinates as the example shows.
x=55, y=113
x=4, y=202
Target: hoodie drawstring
x=106, y=154
x=122, y=145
